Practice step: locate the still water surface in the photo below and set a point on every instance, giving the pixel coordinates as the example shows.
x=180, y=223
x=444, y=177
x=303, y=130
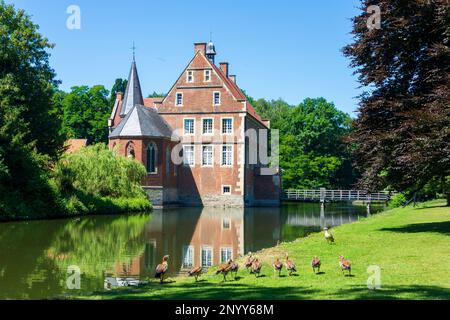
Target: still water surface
x=35, y=255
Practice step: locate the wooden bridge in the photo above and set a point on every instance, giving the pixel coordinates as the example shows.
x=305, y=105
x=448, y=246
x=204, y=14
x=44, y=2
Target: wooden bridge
x=323, y=195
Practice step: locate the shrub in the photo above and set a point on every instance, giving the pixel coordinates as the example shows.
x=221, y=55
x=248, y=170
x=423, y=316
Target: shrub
x=397, y=200
x=96, y=170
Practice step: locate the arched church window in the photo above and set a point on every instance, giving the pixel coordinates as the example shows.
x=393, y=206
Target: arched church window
x=130, y=150
x=151, y=158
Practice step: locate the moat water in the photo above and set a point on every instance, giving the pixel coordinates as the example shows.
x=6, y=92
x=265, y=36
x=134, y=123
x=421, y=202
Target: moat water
x=40, y=259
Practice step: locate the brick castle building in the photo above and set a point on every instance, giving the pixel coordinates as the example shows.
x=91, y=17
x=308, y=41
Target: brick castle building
x=199, y=143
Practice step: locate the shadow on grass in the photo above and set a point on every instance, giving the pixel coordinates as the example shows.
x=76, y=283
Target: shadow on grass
x=432, y=227
x=208, y=291
x=213, y=291
x=414, y=292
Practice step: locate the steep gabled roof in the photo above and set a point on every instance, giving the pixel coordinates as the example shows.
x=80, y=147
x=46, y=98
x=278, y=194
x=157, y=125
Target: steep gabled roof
x=133, y=93
x=237, y=93
x=140, y=122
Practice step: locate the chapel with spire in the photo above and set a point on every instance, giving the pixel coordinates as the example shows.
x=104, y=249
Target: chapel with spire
x=193, y=140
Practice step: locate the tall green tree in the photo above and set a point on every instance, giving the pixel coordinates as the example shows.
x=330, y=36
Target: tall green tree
x=30, y=138
x=313, y=153
x=120, y=85
x=85, y=112
x=402, y=134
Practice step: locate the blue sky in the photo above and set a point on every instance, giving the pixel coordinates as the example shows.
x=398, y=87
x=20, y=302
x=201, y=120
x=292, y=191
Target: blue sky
x=277, y=49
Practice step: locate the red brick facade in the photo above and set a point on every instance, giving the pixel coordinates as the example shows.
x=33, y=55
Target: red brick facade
x=204, y=92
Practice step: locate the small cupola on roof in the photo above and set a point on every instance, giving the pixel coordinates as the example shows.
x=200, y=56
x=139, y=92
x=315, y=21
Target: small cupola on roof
x=210, y=51
x=133, y=93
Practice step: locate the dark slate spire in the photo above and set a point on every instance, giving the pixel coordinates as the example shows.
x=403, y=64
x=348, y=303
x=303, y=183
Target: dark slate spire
x=133, y=93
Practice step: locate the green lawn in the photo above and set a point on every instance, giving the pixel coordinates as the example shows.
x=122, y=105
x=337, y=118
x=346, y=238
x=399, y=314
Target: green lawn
x=411, y=246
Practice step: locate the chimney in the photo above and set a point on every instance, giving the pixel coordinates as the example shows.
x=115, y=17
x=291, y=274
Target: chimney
x=200, y=46
x=232, y=78
x=119, y=96
x=224, y=68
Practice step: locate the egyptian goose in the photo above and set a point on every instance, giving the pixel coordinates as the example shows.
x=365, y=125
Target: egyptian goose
x=315, y=264
x=345, y=264
x=277, y=266
x=161, y=269
x=328, y=236
x=196, y=272
x=290, y=265
x=256, y=267
x=234, y=268
x=224, y=269
x=249, y=261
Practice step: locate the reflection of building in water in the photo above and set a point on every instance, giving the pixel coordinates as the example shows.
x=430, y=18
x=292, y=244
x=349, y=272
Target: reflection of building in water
x=202, y=237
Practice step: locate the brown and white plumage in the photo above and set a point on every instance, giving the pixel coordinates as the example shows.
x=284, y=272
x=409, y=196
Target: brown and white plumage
x=234, y=268
x=196, y=272
x=345, y=264
x=290, y=265
x=328, y=236
x=249, y=261
x=224, y=269
x=277, y=266
x=315, y=264
x=256, y=267
x=161, y=269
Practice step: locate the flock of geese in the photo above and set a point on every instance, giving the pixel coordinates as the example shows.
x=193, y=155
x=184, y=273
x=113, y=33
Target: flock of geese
x=254, y=265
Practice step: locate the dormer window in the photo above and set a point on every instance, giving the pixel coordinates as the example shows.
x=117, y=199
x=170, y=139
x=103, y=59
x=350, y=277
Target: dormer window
x=179, y=101
x=216, y=98
x=190, y=76
x=207, y=75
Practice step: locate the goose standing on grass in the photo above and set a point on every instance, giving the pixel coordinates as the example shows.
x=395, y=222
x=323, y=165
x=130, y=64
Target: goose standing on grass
x=345, y=264
x=161, y=269
x=256, y=267
x=224, y=269
x=290, y=265
x=277, y=266
x=249, y=261
x=234, y=267
x=328, y=236
x=315, y=264
x=196, y=272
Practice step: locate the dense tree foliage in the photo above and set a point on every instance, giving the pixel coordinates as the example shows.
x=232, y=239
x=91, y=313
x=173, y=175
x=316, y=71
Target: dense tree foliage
x=312, y=152
x=29, y=122
x=120, y=85
x=85, y=112
x=156, y=95
x=402, y=134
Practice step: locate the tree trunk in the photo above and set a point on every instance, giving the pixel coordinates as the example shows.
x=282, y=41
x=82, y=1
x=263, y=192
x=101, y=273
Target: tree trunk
x=448, y=199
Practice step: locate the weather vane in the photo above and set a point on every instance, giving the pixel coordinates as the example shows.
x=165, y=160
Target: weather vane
x=134, y=51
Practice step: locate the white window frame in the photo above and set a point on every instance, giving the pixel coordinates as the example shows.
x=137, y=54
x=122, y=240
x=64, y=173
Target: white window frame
x=185, y=251
x=193, y=155
x=228, y=220
x=228, y=250
x=209, y=75
x=212, y=126
x=214, y=98
x=232, y=155
x=211, y=250
x=184, y=127
x=212, y=155
x=221, y=126
x=226, y=186
x=190, y=73
x=176, y=99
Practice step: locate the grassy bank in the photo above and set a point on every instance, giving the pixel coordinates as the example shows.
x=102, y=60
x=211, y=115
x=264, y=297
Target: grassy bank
x=410, y=245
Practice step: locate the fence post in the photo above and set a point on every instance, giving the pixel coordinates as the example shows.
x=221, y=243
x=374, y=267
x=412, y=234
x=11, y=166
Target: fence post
x=322, y=194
